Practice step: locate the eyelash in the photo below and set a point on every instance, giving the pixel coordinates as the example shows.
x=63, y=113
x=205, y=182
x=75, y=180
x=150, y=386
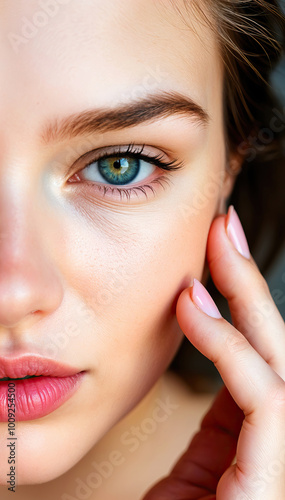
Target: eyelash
x=131, y=152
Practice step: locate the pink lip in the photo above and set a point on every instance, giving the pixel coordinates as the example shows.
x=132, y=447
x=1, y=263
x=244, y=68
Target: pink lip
x=36, y=397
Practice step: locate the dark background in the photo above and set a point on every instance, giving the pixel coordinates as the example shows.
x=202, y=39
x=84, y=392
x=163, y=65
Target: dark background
x=195, y=368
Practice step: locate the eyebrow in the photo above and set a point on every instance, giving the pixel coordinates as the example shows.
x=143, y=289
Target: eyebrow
x=125, y=115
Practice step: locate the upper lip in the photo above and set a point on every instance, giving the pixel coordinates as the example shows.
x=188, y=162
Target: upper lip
x=34, y=365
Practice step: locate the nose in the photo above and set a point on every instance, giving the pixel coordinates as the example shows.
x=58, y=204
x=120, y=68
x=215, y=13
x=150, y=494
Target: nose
x=29, y=279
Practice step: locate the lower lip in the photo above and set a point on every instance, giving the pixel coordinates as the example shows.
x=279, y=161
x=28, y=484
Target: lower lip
x=35, y=397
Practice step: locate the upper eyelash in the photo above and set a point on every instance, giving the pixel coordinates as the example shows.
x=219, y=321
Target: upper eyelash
x=155, y=160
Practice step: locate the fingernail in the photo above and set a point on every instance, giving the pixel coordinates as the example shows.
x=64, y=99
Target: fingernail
x=203, y=300
x=235, y=233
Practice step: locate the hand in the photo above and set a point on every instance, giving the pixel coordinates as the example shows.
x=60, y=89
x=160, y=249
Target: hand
x=247, y=418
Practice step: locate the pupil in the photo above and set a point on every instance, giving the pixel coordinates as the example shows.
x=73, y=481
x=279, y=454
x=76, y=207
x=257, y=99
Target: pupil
x=117, y=164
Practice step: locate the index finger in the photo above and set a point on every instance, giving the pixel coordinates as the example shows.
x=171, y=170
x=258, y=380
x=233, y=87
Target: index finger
x=238, y=278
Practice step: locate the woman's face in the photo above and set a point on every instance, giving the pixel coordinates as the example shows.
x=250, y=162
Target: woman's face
x=91, y=269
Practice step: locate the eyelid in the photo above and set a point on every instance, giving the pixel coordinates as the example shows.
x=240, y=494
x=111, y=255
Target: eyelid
x=127, y=190
x=117, y=150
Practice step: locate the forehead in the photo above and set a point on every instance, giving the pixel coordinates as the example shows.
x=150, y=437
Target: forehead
x=69, y=55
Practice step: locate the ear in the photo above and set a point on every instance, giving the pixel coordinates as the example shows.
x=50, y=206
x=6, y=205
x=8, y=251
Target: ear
x=233, y=168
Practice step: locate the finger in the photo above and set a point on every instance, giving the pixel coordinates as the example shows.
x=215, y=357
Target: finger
x=238, y=362
x=252, y=308
x=254, y=385
x=210, y=453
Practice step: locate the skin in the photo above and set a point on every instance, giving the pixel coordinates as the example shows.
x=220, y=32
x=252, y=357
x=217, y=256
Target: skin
x=127, y=331
x=67, y=279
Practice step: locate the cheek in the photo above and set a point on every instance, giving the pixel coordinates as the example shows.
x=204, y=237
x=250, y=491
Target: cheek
x=129, y=268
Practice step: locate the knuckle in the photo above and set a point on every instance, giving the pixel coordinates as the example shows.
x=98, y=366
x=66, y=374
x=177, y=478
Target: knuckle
x=262, y=284
x=236, y=343
x=277, y=397
x=252, y=274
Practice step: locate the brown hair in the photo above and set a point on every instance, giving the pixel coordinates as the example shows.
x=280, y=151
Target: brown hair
x=252, y=39
x=251, y=36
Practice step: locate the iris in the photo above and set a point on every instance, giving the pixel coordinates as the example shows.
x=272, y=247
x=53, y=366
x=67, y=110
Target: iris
x=118, y=170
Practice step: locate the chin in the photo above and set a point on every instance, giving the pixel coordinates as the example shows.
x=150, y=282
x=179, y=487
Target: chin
x=39, y=457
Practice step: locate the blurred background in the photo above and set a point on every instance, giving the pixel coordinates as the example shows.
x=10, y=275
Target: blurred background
x=196, y=369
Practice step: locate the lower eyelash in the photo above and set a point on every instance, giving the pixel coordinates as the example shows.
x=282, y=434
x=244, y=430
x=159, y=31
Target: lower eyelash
x=127, y=192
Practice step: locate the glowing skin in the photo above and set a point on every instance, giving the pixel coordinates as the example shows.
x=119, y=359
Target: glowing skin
x=90, y=280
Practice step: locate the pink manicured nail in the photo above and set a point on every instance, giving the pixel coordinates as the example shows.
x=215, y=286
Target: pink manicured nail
x=236, y=234
x=202, y=299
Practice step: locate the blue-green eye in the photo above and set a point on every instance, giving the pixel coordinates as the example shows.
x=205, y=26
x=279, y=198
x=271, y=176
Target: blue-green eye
x=117, y=170
x=111, y=172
